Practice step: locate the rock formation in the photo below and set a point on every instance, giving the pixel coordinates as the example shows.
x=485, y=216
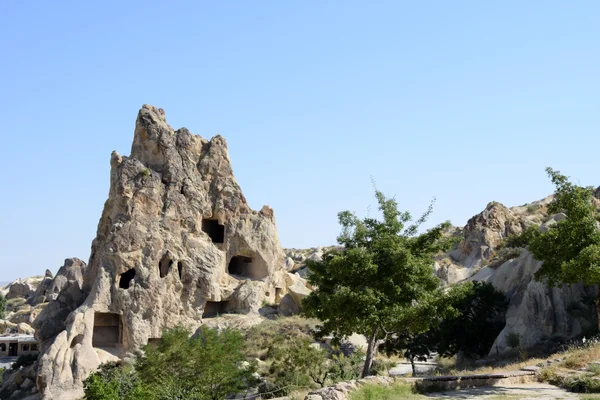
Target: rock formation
x=536, y=312
x=176, y=243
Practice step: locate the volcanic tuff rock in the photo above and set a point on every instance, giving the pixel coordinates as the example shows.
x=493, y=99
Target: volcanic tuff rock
x=536, y=312
x=176, y=243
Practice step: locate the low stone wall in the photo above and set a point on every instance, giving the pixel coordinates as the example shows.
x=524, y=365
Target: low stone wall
x=445, y=383
x=342, y=390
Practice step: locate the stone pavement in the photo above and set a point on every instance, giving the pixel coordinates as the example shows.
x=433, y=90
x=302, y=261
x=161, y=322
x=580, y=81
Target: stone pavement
x=526, y=391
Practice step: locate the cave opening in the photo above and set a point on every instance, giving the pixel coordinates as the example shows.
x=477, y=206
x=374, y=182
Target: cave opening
x=107, y=330
x=126, y=277
x=247, y=267
x=214, y=230
x=213, y=309
x=164, y=266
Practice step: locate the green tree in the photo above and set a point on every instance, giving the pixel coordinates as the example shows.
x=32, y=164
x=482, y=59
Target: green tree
x=476, y=305
x=113, y=382
x=482, y=309
x=381, y=280
x=2, y=306
x=210, y=365
x=414, y=347
x=570, y=249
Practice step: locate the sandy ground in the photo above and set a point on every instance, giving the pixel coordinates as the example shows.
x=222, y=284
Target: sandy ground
x=526, y=391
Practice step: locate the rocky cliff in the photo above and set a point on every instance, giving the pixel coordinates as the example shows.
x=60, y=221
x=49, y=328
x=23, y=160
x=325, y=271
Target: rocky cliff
x=536, y=313
x=176, y=243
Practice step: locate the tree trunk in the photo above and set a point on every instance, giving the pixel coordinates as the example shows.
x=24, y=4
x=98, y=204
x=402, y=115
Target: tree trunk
x=412, y=364
x=370, y=353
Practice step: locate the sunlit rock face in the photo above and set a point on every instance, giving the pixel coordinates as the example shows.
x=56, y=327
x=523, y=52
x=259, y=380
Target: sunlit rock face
x=176, y=243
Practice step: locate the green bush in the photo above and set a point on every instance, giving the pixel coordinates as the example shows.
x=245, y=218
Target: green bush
x=381, y=367
x=521, y=240
x=208, y=366
x=24, y=361
x=113, y=382
x=2, y=306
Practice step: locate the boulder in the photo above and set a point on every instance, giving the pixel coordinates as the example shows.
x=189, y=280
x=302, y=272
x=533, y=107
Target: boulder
x=25, y=329
x=177, y=244
x=20, y=288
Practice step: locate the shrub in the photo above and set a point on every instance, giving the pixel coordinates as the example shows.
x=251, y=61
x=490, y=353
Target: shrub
x=397, y=391
x=2, y=306
x=381, y=367
x=113, y=382
x=521, y=240
x=24, y=361
x=208, y=366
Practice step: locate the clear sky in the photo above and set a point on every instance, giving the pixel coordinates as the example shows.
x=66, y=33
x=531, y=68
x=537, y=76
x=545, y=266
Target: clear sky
x=467, y=101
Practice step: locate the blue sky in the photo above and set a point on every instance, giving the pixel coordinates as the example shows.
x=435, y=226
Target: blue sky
x=467, y=101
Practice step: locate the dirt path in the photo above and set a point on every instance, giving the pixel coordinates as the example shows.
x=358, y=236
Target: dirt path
x=526, y=391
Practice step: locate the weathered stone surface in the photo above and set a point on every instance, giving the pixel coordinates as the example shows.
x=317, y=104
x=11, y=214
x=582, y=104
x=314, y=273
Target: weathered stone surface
x=176, y=240
x=64, y=295
x=537, y=312
x=25, y=328
x=19, y=384
x=73, y=270
x=288, y=306
x=484, y=232
x=21, y=288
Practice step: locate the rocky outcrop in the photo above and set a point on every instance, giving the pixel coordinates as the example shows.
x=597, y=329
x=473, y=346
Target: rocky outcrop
x=23, y=288
x=537, y=312
x=483, y=233
x=176, y=244
x=64, y=294
x=20, y=384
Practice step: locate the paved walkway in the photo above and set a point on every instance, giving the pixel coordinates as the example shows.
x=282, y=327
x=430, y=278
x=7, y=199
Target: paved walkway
x=526, y=391
x=406, y=368
x=6, y=362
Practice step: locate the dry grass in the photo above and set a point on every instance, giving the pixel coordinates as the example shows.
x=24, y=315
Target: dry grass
x=448, y=366
x=578, y=371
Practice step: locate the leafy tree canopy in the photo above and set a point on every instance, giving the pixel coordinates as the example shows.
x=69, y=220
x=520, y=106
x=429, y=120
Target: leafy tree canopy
x=570, y=249
x=381, y=280
x=208, y=366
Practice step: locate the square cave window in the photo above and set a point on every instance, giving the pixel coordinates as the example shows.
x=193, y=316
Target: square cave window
x=214, y=230
x=213, y=309
x=107, y=330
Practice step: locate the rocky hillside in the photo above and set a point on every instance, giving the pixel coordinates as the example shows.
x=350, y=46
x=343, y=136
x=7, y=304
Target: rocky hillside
x=176, y=244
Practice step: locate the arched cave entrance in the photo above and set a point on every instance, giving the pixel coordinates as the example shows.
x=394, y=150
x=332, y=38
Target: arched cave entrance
x=247, y=267
x=164, y=266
